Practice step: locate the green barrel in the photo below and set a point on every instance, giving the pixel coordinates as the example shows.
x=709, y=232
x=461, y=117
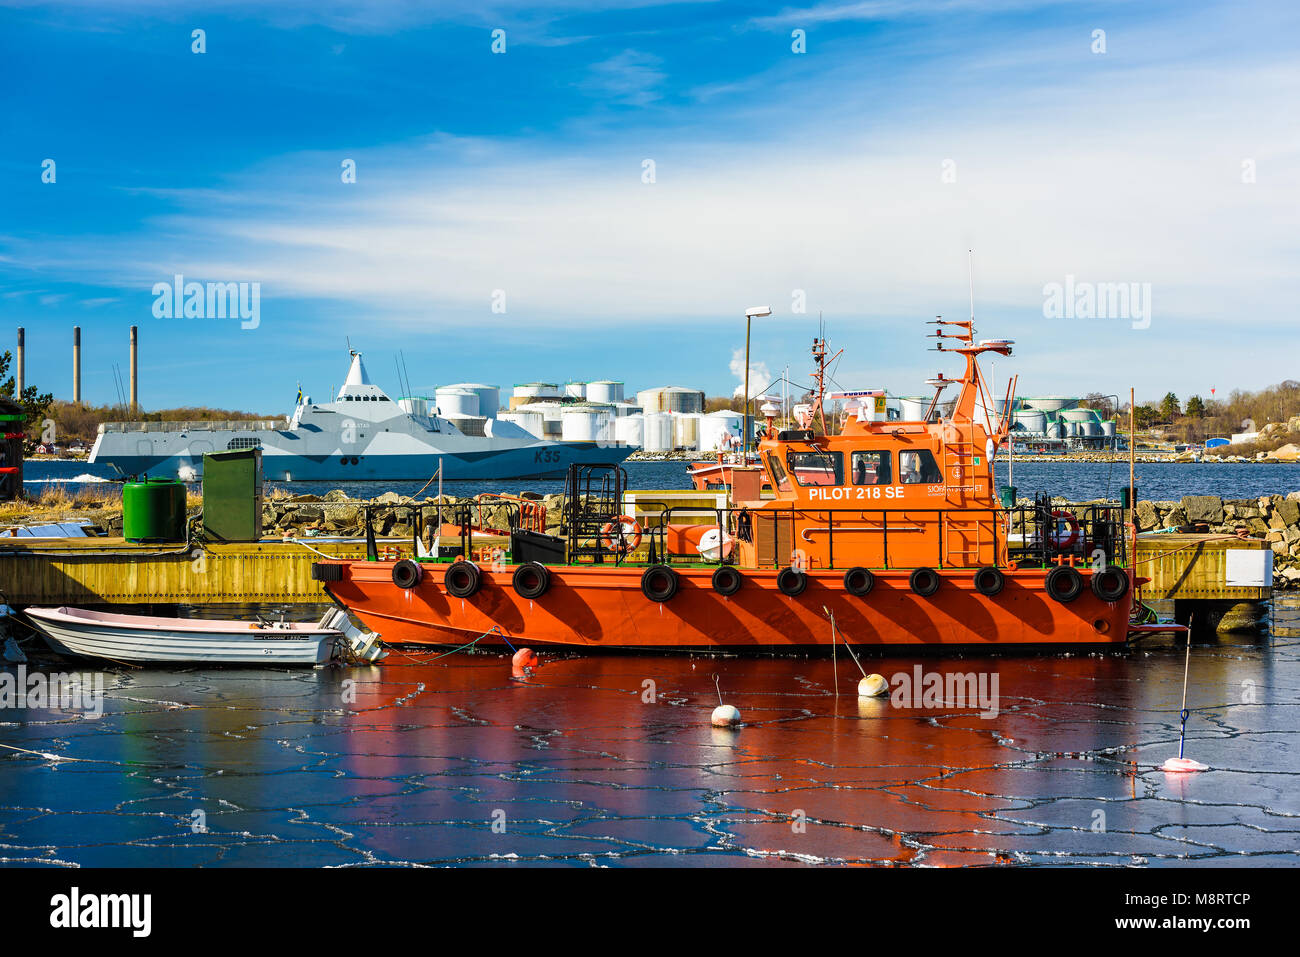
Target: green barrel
x=153, y=511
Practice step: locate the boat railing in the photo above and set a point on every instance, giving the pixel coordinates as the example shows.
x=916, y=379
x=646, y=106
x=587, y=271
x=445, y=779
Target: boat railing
x=462, y=520
x=1025, y=535
x=218, y=425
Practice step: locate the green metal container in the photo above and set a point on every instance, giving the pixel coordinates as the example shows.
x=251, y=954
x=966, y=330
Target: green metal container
x=153, y=511
x=232, y=495
x=1007, y=494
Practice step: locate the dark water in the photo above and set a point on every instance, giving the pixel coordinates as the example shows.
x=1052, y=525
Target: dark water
x=415, y=761
x=1073, y=480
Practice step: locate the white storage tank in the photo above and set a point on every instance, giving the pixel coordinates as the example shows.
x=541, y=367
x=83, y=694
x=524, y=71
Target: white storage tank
x=586, y=423
x=671, y=399
x=1032, y=420
x=537, y=390
x=626, y=408
x=686, y=430
x=416, y=405
x=575, y=390
x=630, y=430
x=1108, y=427
x=489, y=396
x=550, y=411
x=454, y=402
x=657, y=434
x=531, y=422
x=605, y=390
x=716, y=425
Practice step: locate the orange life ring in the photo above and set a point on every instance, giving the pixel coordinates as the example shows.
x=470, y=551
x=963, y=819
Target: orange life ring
x=1071, y=521
x=628, y=541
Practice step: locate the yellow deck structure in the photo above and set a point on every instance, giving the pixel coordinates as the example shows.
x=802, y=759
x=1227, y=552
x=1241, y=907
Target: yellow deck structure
x=1195, y=567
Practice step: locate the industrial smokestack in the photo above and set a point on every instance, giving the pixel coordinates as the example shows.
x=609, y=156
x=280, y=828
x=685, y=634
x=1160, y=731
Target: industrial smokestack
x=20, y=372
x=135, y=382
x=76, y=364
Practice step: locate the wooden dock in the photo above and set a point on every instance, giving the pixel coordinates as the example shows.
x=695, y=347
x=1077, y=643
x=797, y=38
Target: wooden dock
x=1196, y=567
x=92, y=571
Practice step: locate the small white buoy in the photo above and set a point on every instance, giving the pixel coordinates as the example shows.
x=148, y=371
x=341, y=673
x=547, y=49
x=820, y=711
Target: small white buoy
x=724, y=716
x=1180, y=764
x=1183, y=766
x=873, y=686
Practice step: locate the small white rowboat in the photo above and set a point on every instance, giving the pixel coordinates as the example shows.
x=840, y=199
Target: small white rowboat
x=138, y=638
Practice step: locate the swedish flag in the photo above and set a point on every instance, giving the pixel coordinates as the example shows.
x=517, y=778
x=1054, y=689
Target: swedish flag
x=300, y=393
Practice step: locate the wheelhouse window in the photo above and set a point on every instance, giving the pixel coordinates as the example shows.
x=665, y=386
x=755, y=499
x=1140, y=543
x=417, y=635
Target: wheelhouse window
x=918, y=468
x=872, y=468
x=780, y=480
x=816, y=468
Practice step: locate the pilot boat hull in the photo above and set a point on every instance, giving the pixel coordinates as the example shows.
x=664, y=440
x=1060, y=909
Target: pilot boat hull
x=604, y=607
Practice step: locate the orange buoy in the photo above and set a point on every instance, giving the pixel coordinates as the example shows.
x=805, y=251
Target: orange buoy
x=525, y=658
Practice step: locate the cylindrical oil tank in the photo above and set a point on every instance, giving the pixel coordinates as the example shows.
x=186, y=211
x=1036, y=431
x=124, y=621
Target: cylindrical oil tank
x=575, y=390
x=531, y=422
x=586, y=423
x=153, y=511
x=1032, y=420
x=605, y=390
x=1055, y=430
x=626, y=408
x=537, y=390
x=686, y=430
x=1051, y=403
x=1090, y=429
x=1078, y=415
x=671, y=399
x=1071, y=429
x=416, y=405
x=716, y=425
x=1108, y=427
x=658, y=433
x=456, y=402
x=489, y=397
x=630, y=430
x=550, y=411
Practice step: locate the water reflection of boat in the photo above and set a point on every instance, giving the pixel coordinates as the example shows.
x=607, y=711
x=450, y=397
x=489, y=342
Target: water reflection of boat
x=894, y=527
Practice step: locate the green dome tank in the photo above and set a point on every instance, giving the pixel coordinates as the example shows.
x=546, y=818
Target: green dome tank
x=153, y=511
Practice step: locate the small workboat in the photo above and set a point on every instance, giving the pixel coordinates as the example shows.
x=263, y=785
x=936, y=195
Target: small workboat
x=143, y=639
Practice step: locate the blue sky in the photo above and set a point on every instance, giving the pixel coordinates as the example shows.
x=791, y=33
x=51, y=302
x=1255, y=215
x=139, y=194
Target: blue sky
x=858, y=172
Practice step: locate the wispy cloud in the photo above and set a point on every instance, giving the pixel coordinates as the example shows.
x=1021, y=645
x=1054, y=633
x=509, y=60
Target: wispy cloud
x=632, y=78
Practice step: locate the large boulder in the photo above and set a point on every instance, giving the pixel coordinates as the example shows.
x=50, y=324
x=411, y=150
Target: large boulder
x=1147, y=516
x=1203, y=508
x=1175, y=518
x=1288, y=510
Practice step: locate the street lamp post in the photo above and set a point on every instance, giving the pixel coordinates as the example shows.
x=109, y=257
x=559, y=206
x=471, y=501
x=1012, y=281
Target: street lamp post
x=751, y=313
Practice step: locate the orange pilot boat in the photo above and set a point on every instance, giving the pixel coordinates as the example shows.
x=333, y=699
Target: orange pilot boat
x=893, y=527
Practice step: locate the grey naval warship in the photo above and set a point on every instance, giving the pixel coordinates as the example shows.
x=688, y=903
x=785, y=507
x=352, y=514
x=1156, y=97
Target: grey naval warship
x=363, y=435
